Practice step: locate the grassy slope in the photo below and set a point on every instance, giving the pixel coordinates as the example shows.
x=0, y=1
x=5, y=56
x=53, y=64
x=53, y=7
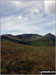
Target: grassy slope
x=24, y=59
x=45, y=41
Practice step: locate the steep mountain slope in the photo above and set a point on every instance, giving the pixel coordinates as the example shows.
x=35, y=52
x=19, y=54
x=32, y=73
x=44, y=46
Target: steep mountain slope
x=50, y=36
x=47, y=40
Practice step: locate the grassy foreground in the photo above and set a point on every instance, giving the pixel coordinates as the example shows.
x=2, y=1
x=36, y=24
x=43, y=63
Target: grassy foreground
x=25, y=59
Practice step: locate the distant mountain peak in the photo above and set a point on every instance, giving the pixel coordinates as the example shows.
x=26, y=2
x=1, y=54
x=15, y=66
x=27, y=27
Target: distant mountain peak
x=50, y=35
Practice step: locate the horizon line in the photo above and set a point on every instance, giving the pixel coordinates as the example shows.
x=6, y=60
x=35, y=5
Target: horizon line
x=26, y=34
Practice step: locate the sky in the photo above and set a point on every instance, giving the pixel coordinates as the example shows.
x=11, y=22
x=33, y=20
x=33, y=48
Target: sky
x=27, y=16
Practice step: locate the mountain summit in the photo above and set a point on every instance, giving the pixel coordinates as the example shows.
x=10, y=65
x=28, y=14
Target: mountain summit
x=50, y=36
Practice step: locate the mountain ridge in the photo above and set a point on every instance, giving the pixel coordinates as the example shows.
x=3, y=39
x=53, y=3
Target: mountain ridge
x=32, y=39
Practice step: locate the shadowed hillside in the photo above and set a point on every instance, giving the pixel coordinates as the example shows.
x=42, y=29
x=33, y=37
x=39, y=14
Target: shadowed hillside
x=15, y=39
x=28, y=36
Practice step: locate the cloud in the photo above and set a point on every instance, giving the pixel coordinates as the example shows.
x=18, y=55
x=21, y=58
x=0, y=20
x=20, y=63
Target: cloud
x=50, y=7
x=36, y=10
x=11, y=25
x=15, y=3
x=19, y=17
x=22, y=18
x=15, y=8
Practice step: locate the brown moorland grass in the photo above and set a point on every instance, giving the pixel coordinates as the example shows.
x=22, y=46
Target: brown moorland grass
x=25, y=59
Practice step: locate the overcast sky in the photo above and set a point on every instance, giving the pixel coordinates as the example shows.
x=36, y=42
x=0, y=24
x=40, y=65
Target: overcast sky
x=27, y=16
